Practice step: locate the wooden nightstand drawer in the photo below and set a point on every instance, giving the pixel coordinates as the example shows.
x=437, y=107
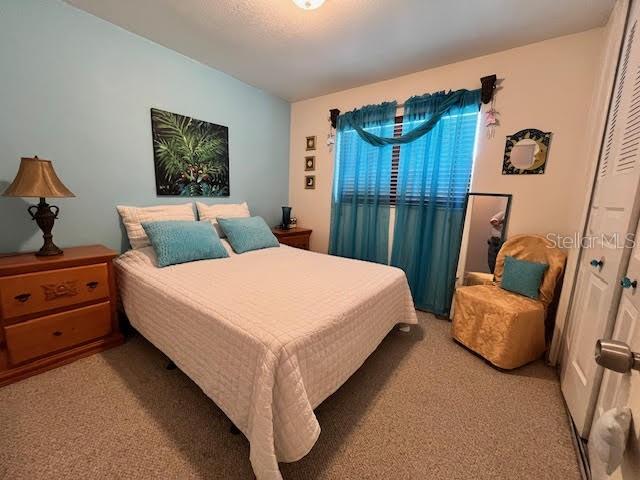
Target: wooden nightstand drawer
x=41, y=291
x=299, y=241
x=294, y=237
x=44, y=335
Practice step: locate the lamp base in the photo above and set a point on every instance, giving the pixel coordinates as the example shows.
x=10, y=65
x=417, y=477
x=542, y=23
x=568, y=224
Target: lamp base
x=49, y=249
x=45, y=215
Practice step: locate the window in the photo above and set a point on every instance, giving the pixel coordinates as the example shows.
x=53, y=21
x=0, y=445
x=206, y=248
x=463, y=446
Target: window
x=441, y=166
x=395, y=161
x=455, y=143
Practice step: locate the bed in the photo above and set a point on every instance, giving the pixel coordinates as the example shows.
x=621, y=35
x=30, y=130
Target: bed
x=267, y=335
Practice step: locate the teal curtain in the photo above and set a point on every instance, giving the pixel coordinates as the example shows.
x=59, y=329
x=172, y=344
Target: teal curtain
x=433, y=181
x=362, y=185
x=418, y=128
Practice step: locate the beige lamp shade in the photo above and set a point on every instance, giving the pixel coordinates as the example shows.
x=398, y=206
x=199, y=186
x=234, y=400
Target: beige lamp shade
x=37, y=178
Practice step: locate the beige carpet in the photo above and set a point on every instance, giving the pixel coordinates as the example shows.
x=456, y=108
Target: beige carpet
x=421, y=407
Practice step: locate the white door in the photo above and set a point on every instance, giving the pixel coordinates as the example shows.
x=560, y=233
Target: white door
x=623, y=389
x=606, y=250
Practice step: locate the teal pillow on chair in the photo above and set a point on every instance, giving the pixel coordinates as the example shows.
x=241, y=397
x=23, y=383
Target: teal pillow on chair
x=523, y=277
x=181, y=241
x=246, y=234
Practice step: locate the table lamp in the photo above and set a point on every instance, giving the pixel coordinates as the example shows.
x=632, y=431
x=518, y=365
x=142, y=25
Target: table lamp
x=37, y=178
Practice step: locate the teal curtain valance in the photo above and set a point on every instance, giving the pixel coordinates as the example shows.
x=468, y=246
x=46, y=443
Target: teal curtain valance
x=360, y=118
x=369, y=116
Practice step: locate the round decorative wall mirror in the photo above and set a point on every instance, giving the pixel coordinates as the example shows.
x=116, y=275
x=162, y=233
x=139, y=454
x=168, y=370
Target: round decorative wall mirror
x=526, y=152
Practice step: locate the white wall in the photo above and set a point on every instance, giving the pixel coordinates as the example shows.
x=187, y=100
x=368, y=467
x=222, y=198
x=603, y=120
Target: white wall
x=547, y=85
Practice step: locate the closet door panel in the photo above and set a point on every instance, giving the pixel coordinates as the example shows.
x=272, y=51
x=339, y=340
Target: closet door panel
x=612, y=222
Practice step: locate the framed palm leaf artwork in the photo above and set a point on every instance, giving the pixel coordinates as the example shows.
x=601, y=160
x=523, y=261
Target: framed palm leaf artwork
x=191, y=156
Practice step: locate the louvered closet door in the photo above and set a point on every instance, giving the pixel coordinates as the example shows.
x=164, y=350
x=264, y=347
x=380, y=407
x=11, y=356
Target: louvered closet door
x=605, y=254
x=623, y=389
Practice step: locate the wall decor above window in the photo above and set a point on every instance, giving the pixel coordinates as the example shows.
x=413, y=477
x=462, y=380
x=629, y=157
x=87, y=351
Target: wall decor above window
x=311, y=143
x=525, y=152
x=310, y=182
x=191, y=156
x=309, y=164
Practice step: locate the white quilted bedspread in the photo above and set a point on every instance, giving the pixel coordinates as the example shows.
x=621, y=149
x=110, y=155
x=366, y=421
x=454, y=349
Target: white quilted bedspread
x=268, y=335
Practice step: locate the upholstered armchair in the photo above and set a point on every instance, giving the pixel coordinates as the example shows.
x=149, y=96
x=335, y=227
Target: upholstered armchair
x=506, y=328
x=477, y=278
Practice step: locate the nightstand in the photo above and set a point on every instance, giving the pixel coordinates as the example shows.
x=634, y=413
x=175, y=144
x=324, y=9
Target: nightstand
x=54, y=310
x=294, y=237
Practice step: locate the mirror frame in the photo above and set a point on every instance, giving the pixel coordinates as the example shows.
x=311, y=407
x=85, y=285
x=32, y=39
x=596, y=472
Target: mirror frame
x=507, y=211
x=543, y=139
x=507, y=214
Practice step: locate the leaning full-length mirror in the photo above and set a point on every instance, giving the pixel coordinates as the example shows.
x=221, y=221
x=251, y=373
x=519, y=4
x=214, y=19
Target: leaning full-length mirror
x=485, y=229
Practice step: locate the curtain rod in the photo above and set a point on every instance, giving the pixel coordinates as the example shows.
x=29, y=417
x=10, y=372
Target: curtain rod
x=486, y=95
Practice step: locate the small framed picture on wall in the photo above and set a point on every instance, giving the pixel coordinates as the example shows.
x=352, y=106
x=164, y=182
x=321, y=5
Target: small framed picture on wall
x=310, y=182
x=311, y=143
x=309, y=164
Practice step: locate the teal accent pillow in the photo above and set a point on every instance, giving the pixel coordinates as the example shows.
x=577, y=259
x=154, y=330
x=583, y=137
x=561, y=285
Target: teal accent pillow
x=523, y=277
x=181, y=241
x=246, y=234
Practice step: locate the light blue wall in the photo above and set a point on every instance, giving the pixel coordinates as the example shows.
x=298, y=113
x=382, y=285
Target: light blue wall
x=77, y=90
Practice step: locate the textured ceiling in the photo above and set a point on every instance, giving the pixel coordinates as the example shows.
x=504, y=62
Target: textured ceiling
x=297, y=54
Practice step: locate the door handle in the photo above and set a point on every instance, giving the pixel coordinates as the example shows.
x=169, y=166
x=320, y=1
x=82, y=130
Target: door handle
x=627, y=283
x=597, y=263
x=616, y=356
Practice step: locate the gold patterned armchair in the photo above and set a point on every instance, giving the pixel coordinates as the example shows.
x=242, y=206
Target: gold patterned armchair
x=506, y=328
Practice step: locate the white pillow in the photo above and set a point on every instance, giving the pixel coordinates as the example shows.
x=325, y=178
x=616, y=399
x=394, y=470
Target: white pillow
x=132, y=217
x=224, y=210
x=607, y=442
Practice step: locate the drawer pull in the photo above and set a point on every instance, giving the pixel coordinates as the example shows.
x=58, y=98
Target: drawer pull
x=57, y=333
x=23, y=297
x=92, y=285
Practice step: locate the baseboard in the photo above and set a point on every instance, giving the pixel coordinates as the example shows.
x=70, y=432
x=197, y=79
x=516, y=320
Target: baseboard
x=580, y=447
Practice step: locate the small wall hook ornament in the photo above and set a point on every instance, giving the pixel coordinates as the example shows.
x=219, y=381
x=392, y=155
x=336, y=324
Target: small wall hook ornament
x=333, y=123
x=491, y=121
